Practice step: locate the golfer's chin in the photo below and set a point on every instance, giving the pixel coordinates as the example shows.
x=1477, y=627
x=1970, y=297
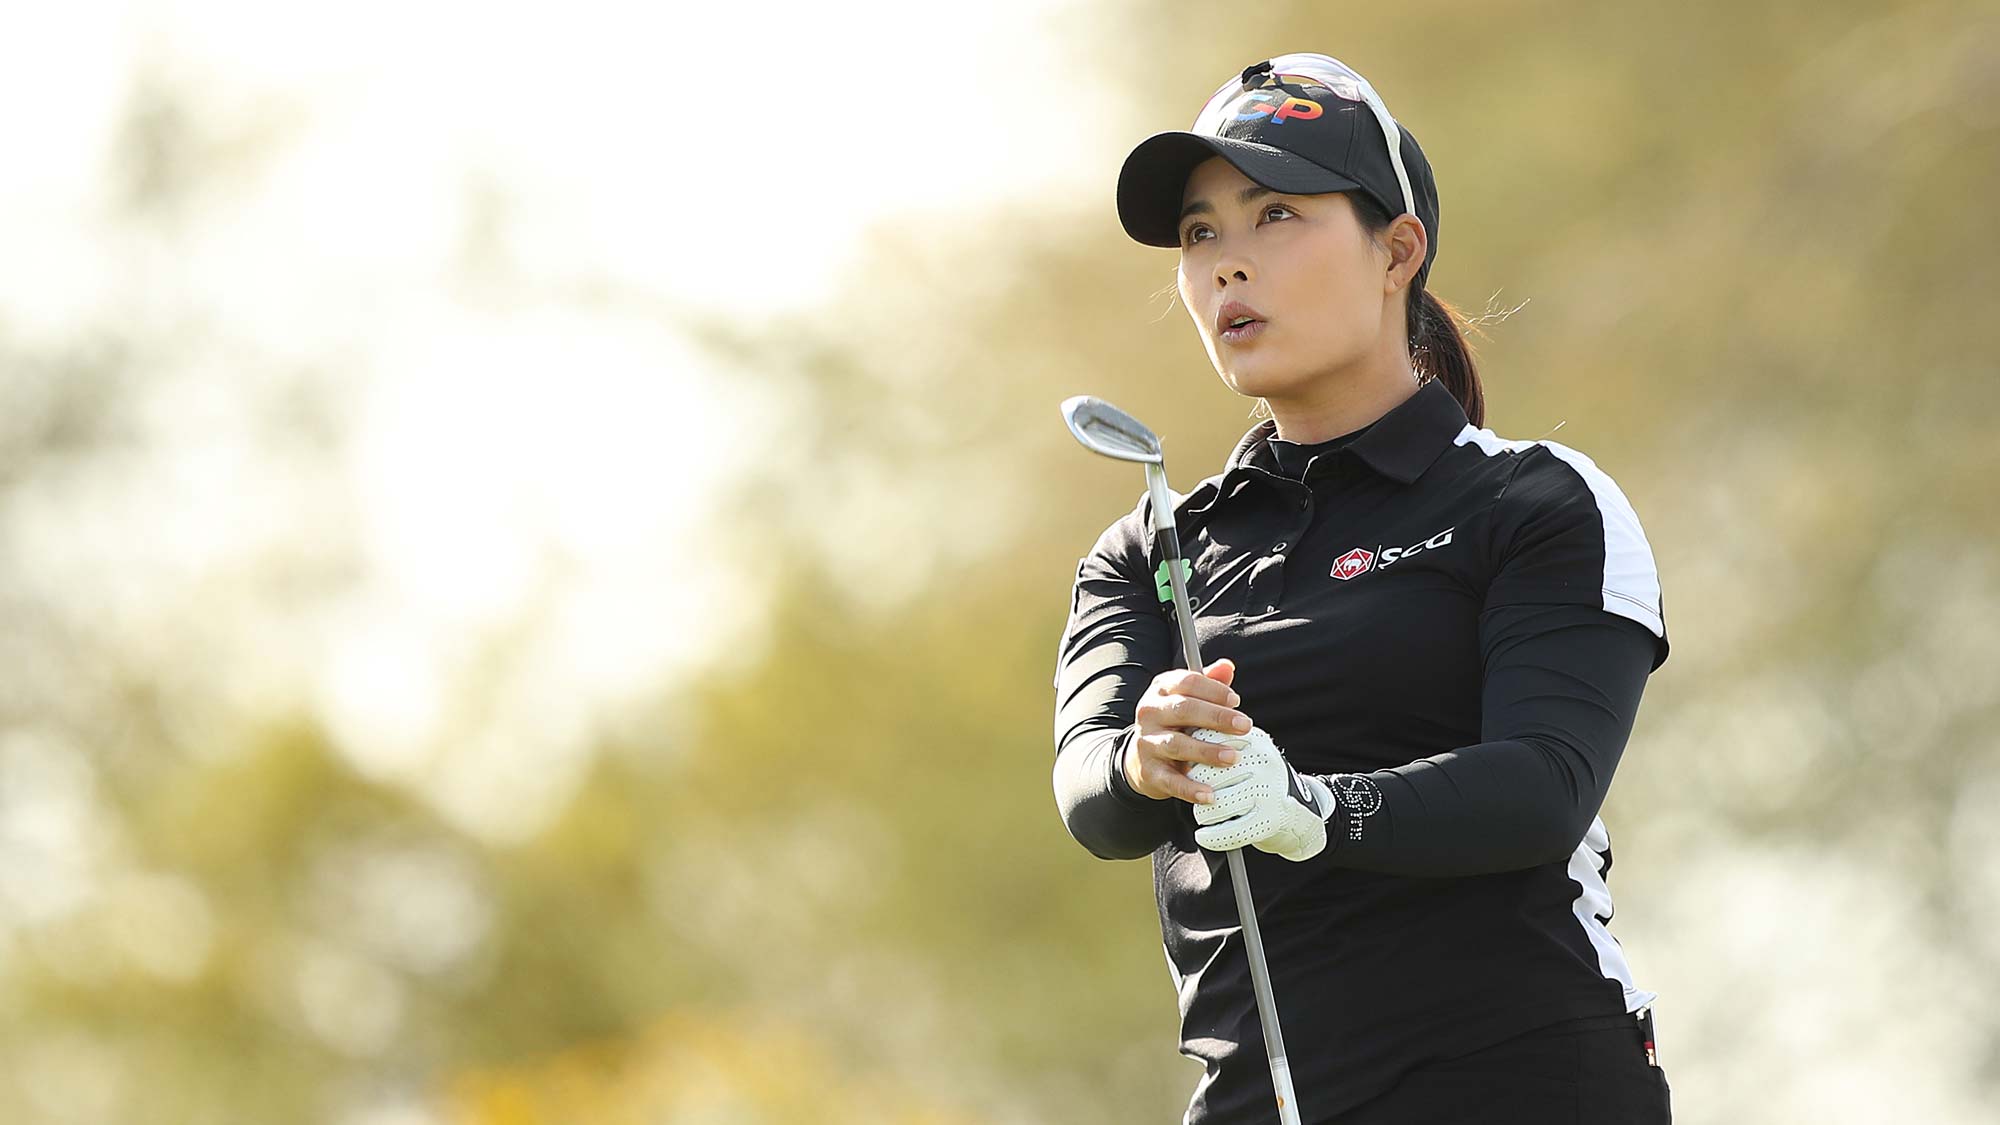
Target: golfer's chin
x=1261, y=375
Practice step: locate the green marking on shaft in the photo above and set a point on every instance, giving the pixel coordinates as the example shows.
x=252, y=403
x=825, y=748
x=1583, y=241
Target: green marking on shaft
x=1166, y=581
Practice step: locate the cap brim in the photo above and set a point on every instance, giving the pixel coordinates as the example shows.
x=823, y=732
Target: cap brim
x=1155, y=175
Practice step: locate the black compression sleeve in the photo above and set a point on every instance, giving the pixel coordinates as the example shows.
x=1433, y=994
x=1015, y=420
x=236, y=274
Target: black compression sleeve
x=1116, y=640
x=1562, y=687
x=1100, y=807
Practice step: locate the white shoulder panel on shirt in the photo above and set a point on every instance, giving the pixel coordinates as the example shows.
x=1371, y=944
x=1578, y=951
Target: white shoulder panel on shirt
x=1631, y=581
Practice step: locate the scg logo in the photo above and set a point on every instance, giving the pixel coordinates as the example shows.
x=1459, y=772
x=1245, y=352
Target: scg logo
x=1393, y=554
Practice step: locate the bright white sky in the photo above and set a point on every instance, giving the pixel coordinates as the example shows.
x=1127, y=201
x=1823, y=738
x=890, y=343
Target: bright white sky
x=517, y=466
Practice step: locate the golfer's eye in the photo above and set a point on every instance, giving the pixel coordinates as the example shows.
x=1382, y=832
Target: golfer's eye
x=1189, y=239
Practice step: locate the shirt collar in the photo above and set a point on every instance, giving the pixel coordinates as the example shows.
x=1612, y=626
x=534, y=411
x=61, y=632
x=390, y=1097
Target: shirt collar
x=1400, y=445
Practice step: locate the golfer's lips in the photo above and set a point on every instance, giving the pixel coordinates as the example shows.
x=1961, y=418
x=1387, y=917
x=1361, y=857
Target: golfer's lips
x=1230, y=312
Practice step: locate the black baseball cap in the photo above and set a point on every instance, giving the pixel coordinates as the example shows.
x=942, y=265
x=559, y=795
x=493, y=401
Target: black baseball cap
x=1303, y=124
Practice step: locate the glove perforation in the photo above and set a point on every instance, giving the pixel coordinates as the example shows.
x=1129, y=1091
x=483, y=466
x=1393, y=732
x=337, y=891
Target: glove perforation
x=1260, y=800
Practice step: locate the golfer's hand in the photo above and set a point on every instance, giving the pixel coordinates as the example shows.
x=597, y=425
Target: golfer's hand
x=1261, y=801
x=1176, y=703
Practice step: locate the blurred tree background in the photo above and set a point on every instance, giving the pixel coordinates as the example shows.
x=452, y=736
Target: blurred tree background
x=1741, y=253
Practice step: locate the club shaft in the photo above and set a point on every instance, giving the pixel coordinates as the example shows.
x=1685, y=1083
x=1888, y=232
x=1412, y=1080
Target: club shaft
x=1167, y=540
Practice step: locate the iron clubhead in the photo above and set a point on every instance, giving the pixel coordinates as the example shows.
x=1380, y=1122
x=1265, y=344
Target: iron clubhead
x=1105, y=429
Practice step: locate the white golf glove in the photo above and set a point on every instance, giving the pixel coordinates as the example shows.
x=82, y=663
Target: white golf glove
x=1260, y=800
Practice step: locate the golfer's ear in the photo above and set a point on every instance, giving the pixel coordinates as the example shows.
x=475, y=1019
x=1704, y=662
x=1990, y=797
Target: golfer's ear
x=1408, y=247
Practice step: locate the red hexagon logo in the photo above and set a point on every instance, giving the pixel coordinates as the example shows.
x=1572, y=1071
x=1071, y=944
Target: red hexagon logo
x=1358, y=561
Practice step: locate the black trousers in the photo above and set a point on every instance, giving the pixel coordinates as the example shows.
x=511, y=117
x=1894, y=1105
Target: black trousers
x=1579, y=1072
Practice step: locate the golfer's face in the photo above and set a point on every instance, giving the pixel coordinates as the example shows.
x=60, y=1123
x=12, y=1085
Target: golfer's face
x=1302, y=262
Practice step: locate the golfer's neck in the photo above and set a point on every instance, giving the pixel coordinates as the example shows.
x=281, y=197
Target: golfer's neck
x=1341, y=403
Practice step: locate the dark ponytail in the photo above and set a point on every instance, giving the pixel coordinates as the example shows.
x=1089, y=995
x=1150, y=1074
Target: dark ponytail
x=1441, y=353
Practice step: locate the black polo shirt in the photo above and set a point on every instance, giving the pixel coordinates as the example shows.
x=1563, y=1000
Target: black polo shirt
x=1454, y=630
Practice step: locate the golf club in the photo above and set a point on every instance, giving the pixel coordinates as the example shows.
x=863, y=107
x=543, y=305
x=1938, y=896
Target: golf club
x=1107, y=430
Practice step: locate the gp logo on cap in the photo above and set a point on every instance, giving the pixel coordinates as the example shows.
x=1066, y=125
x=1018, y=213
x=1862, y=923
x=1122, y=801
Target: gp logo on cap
x=1271, y=99
x=1312, y=72
x=1295, y=92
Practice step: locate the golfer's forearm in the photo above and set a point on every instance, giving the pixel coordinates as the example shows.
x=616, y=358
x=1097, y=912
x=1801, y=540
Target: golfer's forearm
x=1559, y=707
x=1115, y=642
x=1099, y=808
x=1496, y=806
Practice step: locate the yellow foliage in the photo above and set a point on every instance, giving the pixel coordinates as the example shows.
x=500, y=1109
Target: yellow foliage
x=696, y=1067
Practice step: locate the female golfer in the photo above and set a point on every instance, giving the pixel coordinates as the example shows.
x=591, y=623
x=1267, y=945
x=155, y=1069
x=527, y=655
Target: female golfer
x=1430, y=646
